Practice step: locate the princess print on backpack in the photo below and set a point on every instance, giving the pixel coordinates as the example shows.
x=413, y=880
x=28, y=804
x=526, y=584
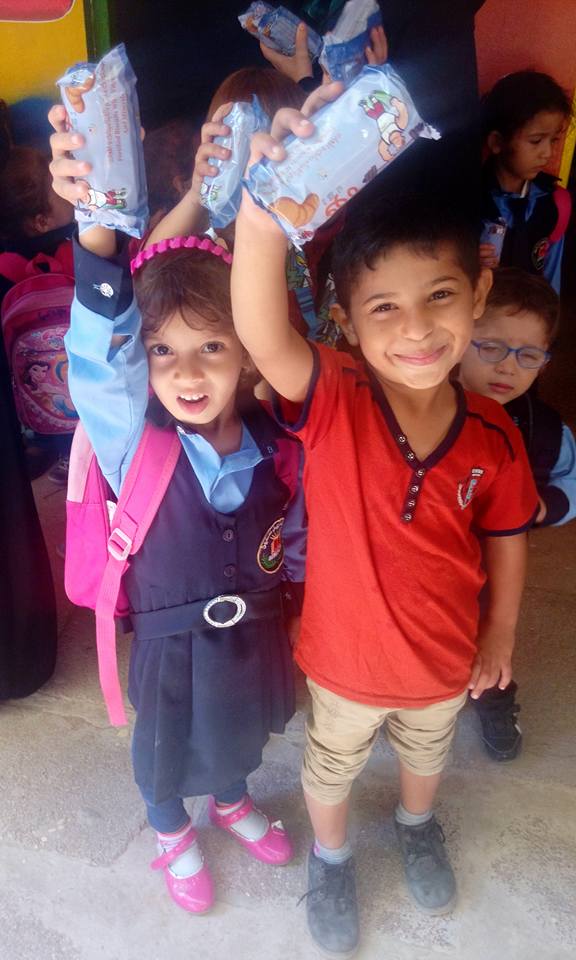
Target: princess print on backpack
x=185, y=516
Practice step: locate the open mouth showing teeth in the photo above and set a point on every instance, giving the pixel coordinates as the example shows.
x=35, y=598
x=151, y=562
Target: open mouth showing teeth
x=191, y=397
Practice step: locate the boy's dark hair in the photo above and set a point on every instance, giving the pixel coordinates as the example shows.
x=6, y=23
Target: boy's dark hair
x=516, y=291
x=192, y=282
x=516, y=98
x=412, y=221
x=25, y=185
x=169, y=158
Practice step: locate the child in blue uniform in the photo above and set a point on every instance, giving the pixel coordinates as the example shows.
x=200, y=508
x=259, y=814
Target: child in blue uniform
x=509, y=349
x=206, y=695
x=523, y=118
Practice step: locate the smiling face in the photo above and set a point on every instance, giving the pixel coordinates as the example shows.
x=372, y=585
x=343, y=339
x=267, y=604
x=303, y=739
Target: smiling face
x=505, y=380
x=195, y=372
x=528, y=151
x=412, y=315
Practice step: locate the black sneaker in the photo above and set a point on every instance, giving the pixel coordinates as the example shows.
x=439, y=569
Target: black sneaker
x=498, y=712
x=331, y=907
x=429, y=875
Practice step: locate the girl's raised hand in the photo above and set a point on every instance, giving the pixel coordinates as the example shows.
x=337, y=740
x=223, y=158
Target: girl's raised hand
x=63, y=167
x=299, y=65
x=208, y=149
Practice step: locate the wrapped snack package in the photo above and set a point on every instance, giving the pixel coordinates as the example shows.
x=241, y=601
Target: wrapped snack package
x=356, y=136
x=221, y=195
x=276, y=28
x=102, y=105
x=343, y=51
x=493, y=232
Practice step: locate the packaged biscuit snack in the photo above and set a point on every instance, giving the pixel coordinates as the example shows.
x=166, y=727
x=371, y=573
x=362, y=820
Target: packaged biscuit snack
x=355, y=137
x=221, y=195
x=276, y=28
x=494, y=231
x=343, y=51
x=102, y=105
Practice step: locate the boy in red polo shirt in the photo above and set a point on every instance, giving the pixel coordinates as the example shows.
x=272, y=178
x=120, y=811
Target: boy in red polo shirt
x=409, y=482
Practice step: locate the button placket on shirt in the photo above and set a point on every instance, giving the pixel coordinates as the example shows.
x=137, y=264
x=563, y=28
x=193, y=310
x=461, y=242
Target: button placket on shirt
x=415, y=483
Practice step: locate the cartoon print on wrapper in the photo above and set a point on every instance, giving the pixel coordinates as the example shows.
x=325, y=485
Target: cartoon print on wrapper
x=391, y=116
x=109, y=200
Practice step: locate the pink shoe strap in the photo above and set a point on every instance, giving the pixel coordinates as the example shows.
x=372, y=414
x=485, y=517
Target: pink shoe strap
x=235, y=815
x=169, y=856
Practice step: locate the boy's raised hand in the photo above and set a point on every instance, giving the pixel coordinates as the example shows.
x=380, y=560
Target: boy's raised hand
x=286, y=121
x=377, y=51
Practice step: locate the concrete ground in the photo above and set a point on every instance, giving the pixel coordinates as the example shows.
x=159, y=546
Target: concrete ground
x=74, y=877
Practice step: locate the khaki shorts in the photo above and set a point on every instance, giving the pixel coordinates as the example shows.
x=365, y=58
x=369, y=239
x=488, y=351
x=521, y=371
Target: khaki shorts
x=340, y=734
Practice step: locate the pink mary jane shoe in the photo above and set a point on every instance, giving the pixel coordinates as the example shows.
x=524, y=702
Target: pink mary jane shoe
x=195, y=893
x=274, y=847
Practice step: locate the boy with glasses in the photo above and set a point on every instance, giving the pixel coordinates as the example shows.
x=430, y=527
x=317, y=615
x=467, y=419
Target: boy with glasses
x=509, y=349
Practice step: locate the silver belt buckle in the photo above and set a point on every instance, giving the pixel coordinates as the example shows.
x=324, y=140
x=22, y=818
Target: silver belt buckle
x=225, y=598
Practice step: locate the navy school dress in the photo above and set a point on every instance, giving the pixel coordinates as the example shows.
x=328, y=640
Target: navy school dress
x=208, y=698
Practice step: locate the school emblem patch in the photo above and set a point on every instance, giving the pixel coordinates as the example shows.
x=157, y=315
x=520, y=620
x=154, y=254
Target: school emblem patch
x=539, y=252
x=270, y=554
x=467, y=487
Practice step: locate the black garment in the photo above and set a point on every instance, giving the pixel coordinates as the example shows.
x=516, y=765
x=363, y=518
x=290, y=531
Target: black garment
x=207, y=699
x=541, y=428
x=27, y=604
x=526, y=241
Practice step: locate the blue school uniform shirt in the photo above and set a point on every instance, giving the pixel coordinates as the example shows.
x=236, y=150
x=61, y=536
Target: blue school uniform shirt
x=109, y=387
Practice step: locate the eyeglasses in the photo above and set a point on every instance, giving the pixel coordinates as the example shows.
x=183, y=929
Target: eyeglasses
x=493, y=351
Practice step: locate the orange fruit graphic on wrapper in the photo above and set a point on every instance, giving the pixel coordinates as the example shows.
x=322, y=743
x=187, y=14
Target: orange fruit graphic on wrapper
x=296, y=213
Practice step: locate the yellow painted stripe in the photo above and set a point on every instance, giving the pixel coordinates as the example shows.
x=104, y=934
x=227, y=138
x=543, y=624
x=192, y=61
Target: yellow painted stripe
x=568, y=149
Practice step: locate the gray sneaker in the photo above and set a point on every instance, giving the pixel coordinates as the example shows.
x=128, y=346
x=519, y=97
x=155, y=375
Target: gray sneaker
x=429, y=875
x=331, y=907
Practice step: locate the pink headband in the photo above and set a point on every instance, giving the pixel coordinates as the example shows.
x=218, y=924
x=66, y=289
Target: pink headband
x=179, y=243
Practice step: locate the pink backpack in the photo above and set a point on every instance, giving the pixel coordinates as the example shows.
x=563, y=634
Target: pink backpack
x=35, y=317
x=102, y=535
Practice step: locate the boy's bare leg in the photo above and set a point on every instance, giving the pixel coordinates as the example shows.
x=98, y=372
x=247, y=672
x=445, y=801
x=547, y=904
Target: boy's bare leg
x=417, y=793
x=329, y=822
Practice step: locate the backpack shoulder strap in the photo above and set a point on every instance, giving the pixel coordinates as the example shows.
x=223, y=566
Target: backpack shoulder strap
x=563, y=202
x=13, y=266
x=142, y=492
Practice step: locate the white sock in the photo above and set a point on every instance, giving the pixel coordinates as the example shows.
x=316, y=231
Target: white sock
x=411, y=819
x=189, y=862
x=252, y=827
x=334, y=855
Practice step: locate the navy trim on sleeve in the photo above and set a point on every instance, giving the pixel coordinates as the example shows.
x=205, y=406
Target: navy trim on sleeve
x=510, y=533
x=277, y=399
x=494, y=426
x=103, y=286
x=557, y=505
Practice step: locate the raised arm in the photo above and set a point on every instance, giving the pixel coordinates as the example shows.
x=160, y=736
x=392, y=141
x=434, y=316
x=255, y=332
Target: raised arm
x=505, y=560
x=259, y=291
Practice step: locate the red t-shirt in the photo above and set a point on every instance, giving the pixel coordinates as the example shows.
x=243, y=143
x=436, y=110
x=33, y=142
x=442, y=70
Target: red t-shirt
x=393, y=568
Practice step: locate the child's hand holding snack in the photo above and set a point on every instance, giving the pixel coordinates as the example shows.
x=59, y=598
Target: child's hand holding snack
x=208, y=150
x=67, y=179
x=297, y=66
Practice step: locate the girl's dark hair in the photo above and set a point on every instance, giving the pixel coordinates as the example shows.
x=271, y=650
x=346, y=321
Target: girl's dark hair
x=516, y=98
x=419, y=223
x=516, y=291
x=192, y=282
x=272, y=88
x=25, y=185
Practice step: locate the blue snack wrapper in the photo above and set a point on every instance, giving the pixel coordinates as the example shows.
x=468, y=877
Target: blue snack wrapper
x=356, y=136
x=494, y=231
x=108, y=117
x=343, y=52
x=276, y=28
x=221, y=194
